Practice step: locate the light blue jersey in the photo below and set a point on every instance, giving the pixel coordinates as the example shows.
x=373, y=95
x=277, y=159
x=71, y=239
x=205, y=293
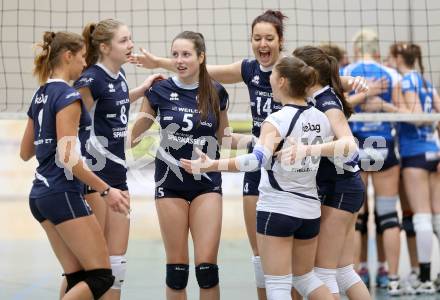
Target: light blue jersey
x=373, y=70
x=416, y=140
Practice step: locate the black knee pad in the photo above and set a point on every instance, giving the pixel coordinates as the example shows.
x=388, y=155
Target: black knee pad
x=361, y=223
x=387, y=221
x=74, y=278
x=177, y=276
x=99, y=281
x=207, y=275
x=408, y=226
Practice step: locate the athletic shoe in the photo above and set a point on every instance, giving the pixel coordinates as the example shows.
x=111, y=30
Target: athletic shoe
x=425, y=288
x=382, y=278
x=394, y=288
x=365, y=276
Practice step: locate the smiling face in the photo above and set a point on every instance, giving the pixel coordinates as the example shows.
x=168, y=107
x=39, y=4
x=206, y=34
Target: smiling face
x=121, y=45
x=266, y=44
x=186, y=60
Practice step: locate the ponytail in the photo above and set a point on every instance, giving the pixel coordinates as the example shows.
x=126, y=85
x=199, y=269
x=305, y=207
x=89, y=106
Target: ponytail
x=52, y=46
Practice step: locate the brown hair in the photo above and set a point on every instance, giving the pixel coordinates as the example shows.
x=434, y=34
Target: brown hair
x=410, y=54
x=333, y=50
x=208, y=99
x=299, y=75
x=53, y=45
x=328, y=70
x=274, y=17
x=96, y=33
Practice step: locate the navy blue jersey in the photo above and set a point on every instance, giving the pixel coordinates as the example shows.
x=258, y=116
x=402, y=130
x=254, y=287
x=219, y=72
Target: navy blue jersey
x=260, y=93
x=341, y=175
x=182, y=130
x=109, y=122
x=373, y=70
x=50, y=176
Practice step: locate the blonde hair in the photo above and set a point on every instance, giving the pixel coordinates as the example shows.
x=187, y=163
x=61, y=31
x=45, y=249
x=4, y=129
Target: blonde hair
x=366, y=41
x=96, y=33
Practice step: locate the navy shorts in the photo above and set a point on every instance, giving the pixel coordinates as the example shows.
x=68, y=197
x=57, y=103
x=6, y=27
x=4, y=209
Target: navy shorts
x=163, y=192
x=420, y=162
x=386, y=157
x=59, y=207
x=251, y=181
x=350, y=202
x=122, y=186
x=274, y=224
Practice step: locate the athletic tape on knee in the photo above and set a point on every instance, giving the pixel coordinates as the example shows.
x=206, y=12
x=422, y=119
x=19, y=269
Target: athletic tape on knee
x=278, y=287
x=119, y=268
x=207, y=275
x=307, y=283
x=346, y=278
x=328, y=277
x=259, y=274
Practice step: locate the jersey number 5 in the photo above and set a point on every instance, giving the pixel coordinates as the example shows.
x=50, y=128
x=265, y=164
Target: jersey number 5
x=188, y=122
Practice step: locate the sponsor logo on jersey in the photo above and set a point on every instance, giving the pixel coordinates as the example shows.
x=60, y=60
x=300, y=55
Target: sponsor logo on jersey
x=41, y=99
x=86, y=80
x=256, y=79
x=123, y=87
x=204, y=123
x=74, y=94
x=111, y=88
x=174, y=96
x=329, y=102
x=311, y=127
x=168, y=118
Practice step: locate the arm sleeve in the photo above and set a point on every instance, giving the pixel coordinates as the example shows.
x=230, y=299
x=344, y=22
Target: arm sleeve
x=246, y=70
x=71, y=95
x=88, y=79
x=408, y=84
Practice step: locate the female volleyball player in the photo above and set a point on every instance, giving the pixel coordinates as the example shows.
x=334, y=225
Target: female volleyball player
x=339, y=183
x=377, y=138
x=267, y=39
x=419, y=153
x=104, y=90
x=55, y=115
x=288, y=207
x=192, y=112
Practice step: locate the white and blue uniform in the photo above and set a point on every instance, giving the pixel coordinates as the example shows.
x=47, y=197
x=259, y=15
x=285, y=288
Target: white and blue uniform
x=56, y=195
x=375, y=137
x=109, y=115
x=339, y=181
x=418, y=143
x=288, y=204
x=262, y=104
x=182, y=130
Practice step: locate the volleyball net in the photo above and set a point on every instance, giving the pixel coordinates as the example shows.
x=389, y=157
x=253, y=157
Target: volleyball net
x=226, y=27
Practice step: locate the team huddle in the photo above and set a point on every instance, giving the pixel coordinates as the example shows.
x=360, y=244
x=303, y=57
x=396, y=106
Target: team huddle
x=305, y=171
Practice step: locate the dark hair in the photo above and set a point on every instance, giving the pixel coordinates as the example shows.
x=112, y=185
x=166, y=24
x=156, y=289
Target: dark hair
x=52, y=46
x=410, y=54
x=274, y=17
x=328, y=70
x=208, y=99
x=96, y=33
x=299, y=75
